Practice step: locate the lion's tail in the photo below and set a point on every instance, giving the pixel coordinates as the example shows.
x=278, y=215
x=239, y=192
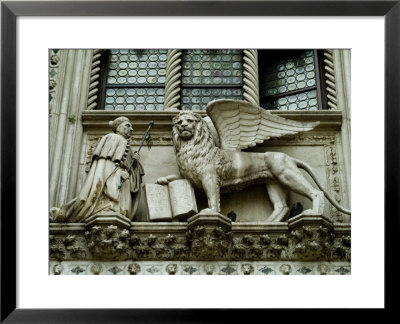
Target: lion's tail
x=307, y=168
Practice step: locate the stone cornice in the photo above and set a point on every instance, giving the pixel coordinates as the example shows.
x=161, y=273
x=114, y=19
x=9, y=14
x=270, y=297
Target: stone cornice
x=97, y=121
x=181, y=226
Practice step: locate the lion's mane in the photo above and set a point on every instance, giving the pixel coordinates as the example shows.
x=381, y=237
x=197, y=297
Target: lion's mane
x=195, y=154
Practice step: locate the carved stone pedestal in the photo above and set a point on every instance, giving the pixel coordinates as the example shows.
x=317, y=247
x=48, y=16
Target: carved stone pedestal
x=215, y=219
x=311, y=237
x=107, y=236
x=108, y=218
x=209, y=235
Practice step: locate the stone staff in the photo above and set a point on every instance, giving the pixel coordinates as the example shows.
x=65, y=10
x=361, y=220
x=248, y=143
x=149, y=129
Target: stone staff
x=147, y=138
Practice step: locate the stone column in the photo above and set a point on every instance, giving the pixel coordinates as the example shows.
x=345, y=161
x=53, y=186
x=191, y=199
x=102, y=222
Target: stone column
x=330, y=77
x=66, y=130
x=173, y=80
x=342, y=61
x=251, y=87
x=57, y=71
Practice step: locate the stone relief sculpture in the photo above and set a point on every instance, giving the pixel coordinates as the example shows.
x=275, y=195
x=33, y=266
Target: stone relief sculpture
x=110, y=185
x=209, y=155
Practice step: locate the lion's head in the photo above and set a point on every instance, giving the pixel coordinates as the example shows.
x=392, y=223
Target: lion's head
x=194, y=144
x=185, y=124
x=189, y=127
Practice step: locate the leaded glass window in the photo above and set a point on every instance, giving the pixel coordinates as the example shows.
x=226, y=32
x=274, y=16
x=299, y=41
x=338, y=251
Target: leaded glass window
x=290, y=80
x=135, y=79
x=209, y=74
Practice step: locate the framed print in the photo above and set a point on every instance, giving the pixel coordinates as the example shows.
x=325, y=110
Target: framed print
x=126, y=101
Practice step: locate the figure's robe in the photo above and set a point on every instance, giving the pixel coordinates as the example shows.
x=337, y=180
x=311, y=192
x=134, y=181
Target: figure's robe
x=100, y=191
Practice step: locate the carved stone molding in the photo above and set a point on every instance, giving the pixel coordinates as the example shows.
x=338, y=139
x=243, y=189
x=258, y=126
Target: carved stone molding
x=54, y=62
x=161, y=247
x=97, y=120
x=209, y=236
x=199, y=268
x=68, y=247
x=108, y=236
x=311, y=237
x=307, y=238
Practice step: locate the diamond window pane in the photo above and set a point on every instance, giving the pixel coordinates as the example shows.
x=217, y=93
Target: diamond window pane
x=287, y=79
x=136, y=66
x=135, y=79
x=134, y=99
x=205, y=66
x=198, y=98
x=300, y=101
x=209, y=74
x=288, y=74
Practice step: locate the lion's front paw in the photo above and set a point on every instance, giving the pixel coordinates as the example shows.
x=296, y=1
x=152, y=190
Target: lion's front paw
x=162, y=181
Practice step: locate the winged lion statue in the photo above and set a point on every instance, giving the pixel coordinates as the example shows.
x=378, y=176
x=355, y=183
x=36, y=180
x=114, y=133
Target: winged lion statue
x=208, y=152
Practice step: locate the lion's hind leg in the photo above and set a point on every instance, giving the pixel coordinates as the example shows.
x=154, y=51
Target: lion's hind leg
x=294, y=180
x=278, y=196
x=285, y=170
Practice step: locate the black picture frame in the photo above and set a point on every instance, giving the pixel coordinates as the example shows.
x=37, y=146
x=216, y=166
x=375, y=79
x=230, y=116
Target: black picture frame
x=10, y=10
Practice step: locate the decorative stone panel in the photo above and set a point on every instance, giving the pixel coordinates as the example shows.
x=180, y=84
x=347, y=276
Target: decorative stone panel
x=191, y=268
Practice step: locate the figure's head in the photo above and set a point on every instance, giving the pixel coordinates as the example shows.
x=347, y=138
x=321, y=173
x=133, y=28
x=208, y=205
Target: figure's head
x=122, y=126
x=186, y=123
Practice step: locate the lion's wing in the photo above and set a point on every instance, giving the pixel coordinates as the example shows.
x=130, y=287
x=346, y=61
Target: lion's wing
x=241, y=124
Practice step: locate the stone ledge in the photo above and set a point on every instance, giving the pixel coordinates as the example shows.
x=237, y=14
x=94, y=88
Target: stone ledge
x=98, y=120
x=260, y=227
x=159, y=227
x=59, y=228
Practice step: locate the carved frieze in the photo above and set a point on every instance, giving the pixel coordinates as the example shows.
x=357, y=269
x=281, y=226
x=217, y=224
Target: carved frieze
x=209, y=243
x=67, y=247
x=108, y=242
x=199, y=268
x=165, y=247
x=306, y=238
